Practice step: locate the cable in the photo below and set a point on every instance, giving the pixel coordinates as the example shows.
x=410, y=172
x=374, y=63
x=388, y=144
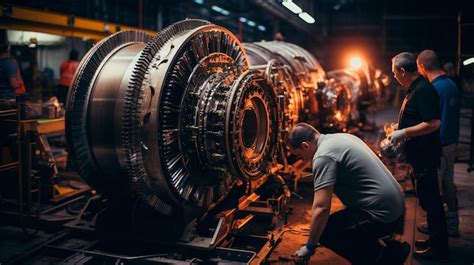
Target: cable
x=414, y=227
x=304, y=232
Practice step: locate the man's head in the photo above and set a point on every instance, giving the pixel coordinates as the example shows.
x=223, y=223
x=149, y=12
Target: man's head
x=4, y=49
x=302, y=141
x=278, y=36
x=404, y=68
x=73, y=55
x=449, y=69
x=427, y=62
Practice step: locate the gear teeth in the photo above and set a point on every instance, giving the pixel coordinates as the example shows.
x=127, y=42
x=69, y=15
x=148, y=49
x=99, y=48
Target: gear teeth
x=78, y=100
x=130, y=131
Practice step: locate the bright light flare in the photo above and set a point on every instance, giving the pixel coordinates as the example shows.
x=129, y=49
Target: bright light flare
x=355, y=62
x=468, y=61
x=307, y=17
x=292, y=6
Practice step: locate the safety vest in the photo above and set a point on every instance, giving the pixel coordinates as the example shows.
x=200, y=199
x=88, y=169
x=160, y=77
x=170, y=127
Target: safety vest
x=21, y=85
x=67, y=71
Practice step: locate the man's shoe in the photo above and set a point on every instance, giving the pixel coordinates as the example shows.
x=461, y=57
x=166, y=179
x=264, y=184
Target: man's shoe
x=453, y=231
x=423, y=228
x=422, y=243
x=430, y=254
x=395, y=253
x=404, y=251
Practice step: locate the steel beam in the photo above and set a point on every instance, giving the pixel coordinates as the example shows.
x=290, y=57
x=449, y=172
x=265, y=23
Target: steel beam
x=28, y=19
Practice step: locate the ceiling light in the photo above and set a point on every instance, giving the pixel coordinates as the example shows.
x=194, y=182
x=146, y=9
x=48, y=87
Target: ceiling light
x=251, y=23
x=468, y=61
x=262, y=28
x=306, y=17
x=220, y=10
x=16, y=37
x=292, y=6
x=242, y=19
x=199, y=1
x=216, y=8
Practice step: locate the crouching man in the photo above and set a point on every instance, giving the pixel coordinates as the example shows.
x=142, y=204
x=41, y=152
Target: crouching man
x=374, y=203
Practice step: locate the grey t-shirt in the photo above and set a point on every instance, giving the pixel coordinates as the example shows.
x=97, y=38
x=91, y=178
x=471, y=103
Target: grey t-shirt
x=360, y=179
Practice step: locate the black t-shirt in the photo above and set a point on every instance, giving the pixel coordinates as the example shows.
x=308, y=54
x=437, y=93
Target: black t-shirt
x=421, y=104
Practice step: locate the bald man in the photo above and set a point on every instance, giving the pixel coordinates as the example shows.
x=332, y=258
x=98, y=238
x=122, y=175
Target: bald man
x=428, y=66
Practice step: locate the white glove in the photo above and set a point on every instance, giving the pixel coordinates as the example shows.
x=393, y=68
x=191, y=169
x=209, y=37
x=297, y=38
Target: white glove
x=303, y=254
x=397, y=136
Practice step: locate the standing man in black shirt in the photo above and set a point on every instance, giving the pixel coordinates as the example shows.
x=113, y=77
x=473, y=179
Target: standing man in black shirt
x=418, y=128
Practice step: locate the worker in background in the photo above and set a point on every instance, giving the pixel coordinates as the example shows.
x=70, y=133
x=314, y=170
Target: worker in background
x=278, y=36
x=11, y=83
x=66, y=74
x=451, y=73
x=418, y=129
x=343, y=164
x=428, y=66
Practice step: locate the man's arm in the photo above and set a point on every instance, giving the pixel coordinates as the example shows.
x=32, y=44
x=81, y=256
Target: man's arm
x=320, y=213
x=428, y=106
x=423, y=128
x=14, y=83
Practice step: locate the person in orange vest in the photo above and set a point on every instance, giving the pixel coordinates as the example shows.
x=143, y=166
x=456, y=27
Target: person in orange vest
x=11, y=83
x=66, y=74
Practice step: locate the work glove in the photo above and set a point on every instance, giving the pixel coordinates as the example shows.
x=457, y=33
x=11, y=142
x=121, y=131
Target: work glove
x=397, y=136
x=303, y=255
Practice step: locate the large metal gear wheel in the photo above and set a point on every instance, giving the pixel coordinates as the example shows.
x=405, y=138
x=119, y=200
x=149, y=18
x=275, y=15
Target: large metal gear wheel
x=174, y=120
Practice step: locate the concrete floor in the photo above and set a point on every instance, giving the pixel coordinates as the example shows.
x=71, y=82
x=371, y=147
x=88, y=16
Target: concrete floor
x=462, y=248
x=295, y=234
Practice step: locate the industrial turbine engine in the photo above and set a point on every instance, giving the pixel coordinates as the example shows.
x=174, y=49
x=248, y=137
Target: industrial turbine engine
x=368, y=88
x=177, y=120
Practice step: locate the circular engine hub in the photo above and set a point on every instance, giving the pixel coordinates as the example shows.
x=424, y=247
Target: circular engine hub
x=174, y=120
x=252, y=126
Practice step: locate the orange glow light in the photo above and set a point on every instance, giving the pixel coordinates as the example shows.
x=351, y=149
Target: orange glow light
x=355, y=62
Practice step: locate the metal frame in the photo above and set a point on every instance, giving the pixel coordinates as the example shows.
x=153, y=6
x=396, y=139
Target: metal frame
x=230, y=228
x=28, y=19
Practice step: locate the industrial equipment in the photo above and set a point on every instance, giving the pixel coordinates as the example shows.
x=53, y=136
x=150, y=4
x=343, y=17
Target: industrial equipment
x=184, y=132
x=311, y=96
x=166, y=127
x=179, y=119
x=368, y=88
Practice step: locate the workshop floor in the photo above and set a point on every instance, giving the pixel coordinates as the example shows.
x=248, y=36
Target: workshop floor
x=462, y=248
x=13, y=242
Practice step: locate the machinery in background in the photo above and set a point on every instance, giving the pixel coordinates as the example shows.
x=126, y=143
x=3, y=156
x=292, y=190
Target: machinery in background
x=31, y=189
x=183, y=136
x=310, y=96
x=368, y=89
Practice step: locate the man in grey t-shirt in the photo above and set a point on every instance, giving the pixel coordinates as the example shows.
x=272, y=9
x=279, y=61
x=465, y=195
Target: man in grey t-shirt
x=345, y=165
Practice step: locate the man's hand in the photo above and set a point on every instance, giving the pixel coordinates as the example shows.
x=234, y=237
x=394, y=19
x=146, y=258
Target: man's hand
x=397, y=136
x=303, y=255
